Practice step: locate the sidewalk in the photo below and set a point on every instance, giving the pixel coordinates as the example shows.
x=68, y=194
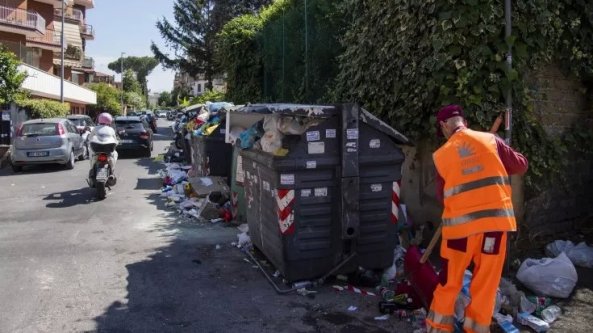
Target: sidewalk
x=4, y=156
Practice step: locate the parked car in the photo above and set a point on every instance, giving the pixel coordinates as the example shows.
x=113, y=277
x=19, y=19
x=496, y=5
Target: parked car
x=135, y=134
x=81, y=121
x=161, y=114
x=46, y=141
x=151, y=119
x=84, y=124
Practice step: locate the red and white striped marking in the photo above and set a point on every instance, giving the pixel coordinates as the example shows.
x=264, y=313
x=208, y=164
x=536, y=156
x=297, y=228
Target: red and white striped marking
x=285, y=199
x=395, y=202
x=354, y=290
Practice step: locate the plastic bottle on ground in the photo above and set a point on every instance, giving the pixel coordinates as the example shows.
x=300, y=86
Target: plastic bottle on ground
x=551, y=313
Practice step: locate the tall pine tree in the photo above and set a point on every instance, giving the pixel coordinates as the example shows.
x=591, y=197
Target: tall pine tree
x=192, y=36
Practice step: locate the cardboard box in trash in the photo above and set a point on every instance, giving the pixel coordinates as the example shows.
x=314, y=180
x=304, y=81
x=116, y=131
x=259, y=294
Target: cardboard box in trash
x=203, y=186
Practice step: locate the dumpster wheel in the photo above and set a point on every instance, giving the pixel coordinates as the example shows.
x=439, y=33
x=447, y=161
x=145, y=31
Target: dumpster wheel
x=315, y=283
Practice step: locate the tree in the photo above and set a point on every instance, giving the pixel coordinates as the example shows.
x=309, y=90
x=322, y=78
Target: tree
x=192, y=35
x=130, y=83
x=165, y=99
x=44, y=108
x=141, y=66
x=108, y=98
x=135, y=100
x=11, y=78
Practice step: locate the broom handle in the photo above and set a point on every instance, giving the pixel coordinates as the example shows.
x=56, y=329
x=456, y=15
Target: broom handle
x=431, y=245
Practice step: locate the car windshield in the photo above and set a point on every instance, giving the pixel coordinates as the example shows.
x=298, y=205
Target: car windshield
x=128, y=124
x=39, y=129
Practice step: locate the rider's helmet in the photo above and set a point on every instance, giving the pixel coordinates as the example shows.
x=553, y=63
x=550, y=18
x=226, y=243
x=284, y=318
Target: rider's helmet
x=104, y=119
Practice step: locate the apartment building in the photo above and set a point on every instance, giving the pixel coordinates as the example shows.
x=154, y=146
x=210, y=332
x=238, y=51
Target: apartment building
x=32, y=30
x=196, y=86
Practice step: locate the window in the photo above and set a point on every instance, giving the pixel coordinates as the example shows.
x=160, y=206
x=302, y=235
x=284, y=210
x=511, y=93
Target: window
x=199, y=87
x=75, y=79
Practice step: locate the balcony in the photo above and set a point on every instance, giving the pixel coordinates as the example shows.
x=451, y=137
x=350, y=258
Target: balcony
x=74, y=15
x=87, y=32
x=49, y=41
x=88, y=62
x=86, y=3
x=42, y=84
x=21, y=21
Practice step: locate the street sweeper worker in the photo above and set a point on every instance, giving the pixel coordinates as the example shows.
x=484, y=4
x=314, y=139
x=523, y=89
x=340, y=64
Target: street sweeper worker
x=473, y=171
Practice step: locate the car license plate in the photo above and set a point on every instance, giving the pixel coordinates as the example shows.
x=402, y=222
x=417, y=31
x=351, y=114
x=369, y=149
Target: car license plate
x=102, y=174
x=127, y=141
x=38, y=153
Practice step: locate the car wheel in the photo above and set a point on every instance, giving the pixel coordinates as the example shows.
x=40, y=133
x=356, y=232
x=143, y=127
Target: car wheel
x=70, y=164
x=147, y=152
x=17, y=168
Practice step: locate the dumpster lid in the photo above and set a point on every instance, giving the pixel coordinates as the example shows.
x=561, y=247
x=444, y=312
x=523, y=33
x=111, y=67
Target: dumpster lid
x=381, y=126
x=322, y=111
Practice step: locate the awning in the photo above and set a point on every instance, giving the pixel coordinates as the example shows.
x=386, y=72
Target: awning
x=71, y=33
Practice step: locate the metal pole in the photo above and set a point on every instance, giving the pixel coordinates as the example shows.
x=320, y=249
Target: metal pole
x=121, y=68
x=509, y=103
x=306, y=55
x=62, y=55
x=509, y=92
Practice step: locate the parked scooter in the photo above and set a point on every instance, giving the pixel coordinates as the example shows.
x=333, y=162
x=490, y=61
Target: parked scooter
x=103, y=157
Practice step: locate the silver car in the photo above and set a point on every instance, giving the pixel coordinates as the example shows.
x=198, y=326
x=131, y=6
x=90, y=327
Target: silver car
x=45, y=141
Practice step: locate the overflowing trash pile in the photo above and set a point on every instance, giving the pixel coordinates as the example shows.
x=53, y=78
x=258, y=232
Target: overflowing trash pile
x=267, y=134
x=208, y=118
x=205, y=199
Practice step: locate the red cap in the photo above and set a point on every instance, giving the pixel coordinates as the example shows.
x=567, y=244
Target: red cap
x=446, y=112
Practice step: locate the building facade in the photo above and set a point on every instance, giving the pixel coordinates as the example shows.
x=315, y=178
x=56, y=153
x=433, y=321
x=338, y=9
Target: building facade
x=32, y=30
x=196, y=86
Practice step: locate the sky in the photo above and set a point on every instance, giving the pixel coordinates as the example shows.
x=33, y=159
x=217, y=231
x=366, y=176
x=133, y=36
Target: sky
x=129, y=26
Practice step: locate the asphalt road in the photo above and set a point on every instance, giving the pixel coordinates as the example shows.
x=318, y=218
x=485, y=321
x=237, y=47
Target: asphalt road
x=69, y=263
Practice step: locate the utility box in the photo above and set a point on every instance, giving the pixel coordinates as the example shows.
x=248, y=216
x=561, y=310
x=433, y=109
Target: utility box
x=329, y=201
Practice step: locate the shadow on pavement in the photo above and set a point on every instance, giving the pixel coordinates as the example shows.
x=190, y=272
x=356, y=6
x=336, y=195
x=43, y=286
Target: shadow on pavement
x=82, y=196
x=35, y=169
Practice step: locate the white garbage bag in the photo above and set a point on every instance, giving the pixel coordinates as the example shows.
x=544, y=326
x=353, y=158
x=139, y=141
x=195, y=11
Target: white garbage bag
x=555, y=277
x=580, y=255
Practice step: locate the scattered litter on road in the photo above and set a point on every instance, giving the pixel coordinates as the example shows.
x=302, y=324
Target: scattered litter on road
x=305, y=292
x=276, y=274
x=218, y=247
x=353, y=289
x=352, y=308
x=341, y=277
x=383, y=317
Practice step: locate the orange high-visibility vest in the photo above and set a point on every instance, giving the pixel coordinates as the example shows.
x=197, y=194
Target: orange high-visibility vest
x=477, y=191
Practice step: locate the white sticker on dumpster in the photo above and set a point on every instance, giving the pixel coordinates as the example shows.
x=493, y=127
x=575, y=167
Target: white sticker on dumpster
x=313, y=136
x=316, y=147
x=306, y=193
x=287, y=179
x=375, y=143
x=321, y=192
x=239, y=174
x=311, y=164
x=352, y=133
x=266, y=185
x=376, y=187
x=330, y=133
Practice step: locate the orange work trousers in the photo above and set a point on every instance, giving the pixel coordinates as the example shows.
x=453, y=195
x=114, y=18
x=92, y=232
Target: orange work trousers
x=487, y=251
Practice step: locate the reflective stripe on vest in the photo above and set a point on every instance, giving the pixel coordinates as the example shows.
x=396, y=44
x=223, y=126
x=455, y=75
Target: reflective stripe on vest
x=470, y=324
x=478, y=215
x=497, y=180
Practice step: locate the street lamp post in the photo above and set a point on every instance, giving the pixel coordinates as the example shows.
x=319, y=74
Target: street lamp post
x=62, y=55
x=121, y=69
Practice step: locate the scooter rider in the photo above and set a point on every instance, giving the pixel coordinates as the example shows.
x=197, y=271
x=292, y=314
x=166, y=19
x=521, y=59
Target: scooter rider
x=104, y=133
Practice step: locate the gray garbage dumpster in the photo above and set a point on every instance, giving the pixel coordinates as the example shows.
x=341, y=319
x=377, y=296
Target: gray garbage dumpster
x=328, y=202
